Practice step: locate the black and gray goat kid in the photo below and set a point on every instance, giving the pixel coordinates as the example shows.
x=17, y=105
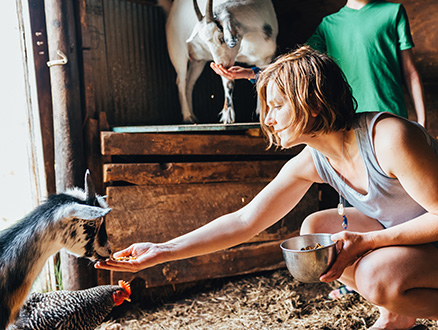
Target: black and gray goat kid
x=73, y=220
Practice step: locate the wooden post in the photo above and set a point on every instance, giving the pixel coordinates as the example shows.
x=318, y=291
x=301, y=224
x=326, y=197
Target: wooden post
x=40, y=56
x=67, y=121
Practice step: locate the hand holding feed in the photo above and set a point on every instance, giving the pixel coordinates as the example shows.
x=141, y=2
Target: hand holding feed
x=133, y=259
x=234, y=72
x=351, y=246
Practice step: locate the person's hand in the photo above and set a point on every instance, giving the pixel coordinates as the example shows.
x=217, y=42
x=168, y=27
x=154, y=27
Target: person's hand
x=234, y=72
x=351, y=246
x=133, y=259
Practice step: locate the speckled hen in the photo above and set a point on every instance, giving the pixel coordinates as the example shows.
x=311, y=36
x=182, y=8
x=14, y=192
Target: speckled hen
x=70, y=310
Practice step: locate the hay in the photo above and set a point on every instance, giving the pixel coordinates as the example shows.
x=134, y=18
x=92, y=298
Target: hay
x=268, y=301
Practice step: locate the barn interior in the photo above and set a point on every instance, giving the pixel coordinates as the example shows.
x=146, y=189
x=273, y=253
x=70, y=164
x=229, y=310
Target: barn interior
x=115, y=109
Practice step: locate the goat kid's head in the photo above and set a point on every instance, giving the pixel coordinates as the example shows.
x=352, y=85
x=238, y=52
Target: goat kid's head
x=83, y=218
x=219, y=33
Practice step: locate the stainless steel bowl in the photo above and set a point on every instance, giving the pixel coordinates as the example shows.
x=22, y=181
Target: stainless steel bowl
x=308, y=265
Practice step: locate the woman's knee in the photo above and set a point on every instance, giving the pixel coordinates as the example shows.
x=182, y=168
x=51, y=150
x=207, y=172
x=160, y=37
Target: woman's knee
x=318, y=222
x=309, y=224
x=377, y=281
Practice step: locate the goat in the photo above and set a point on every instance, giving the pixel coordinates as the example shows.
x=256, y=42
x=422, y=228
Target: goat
x=73, y=220
x=232, y=30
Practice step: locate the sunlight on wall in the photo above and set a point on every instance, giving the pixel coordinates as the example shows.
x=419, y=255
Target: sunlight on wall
x=15, y=175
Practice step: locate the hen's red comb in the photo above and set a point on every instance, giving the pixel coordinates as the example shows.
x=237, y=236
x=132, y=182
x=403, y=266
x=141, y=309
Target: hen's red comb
x=126, y=286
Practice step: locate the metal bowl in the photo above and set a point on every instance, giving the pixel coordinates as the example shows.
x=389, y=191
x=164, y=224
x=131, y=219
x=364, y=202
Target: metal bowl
x=308, y=265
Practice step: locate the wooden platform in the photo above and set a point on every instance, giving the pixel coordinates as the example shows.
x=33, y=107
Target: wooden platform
x=187, y=128
x=155, y=200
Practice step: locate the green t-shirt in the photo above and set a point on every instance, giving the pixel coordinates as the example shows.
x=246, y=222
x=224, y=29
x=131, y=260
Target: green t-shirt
x=366, y=44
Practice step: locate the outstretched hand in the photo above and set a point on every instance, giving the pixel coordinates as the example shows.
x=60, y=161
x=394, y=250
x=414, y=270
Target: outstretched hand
x=351, y=246
x=234, y=72
x=132, y=259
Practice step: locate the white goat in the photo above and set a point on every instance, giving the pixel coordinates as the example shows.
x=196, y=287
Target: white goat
x=231, y=30
x=73, y=220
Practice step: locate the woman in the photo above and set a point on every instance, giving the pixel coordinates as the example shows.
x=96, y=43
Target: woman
x=384, y=165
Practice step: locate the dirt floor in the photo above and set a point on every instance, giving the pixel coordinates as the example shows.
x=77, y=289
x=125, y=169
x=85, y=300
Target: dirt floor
x=266, y=301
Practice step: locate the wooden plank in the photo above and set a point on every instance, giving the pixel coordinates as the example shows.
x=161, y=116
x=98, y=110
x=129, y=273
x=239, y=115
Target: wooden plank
x=42, y=76
x=96, y=69
x=160, y=213
x=186, y=144
x=240, y=260
x=186, y=128
x=200, y=172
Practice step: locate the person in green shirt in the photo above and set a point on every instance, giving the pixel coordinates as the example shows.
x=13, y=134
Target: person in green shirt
x=372, y=43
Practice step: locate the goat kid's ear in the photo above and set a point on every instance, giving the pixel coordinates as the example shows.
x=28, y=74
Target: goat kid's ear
x=86, y=212
x=90, y=191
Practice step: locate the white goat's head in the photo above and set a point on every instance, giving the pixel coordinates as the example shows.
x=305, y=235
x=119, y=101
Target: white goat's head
x=221, y=34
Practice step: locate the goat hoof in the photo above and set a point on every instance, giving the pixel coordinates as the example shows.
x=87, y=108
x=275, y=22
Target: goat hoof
x=227, y=116
x=190, y=119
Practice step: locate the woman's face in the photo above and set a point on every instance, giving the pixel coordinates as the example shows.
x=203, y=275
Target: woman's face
x=279, y=116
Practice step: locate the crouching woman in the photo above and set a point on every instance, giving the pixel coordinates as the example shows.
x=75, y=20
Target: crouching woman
x=384, y=165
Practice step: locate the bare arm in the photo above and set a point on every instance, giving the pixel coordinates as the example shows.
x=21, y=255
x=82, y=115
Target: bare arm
x=403, y=153
x=414, y=85
x=270, y=205
x=234, y=72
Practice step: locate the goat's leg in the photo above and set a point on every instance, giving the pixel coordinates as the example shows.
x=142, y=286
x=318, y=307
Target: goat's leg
x=186, y=107
x=195, y=70
x=180, y=62
x=227, y=115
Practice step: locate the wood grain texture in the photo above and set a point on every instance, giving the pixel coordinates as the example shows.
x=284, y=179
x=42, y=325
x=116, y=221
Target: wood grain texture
x=160, y=213
x=199, y=172
x=186, y=144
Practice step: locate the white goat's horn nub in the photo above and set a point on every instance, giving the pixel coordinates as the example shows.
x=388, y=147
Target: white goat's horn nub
x=197, y=11
x=209, y=11
x=90, y=192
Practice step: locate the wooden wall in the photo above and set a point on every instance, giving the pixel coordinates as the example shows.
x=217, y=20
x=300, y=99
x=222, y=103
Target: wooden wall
x=130, y=72
x=183, y=181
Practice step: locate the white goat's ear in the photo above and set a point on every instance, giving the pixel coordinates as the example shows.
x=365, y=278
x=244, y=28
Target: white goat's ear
x=194, y=33
x=86, y=212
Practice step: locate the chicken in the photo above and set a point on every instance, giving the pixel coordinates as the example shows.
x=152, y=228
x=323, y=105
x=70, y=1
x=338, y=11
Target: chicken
x=70, y=310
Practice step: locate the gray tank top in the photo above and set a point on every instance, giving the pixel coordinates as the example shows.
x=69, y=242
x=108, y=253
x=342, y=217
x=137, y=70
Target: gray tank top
x=386, y=199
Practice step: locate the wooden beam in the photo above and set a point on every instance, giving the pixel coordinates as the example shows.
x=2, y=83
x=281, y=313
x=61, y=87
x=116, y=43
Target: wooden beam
x=200, y=172
x=186, y=144
x=40, y=56
x=67, y=122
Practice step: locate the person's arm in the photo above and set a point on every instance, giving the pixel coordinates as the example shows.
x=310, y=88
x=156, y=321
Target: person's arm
x=317, y=39
x=403, y=153
x=234, y=72
x=414, y=85
x=269, y=206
